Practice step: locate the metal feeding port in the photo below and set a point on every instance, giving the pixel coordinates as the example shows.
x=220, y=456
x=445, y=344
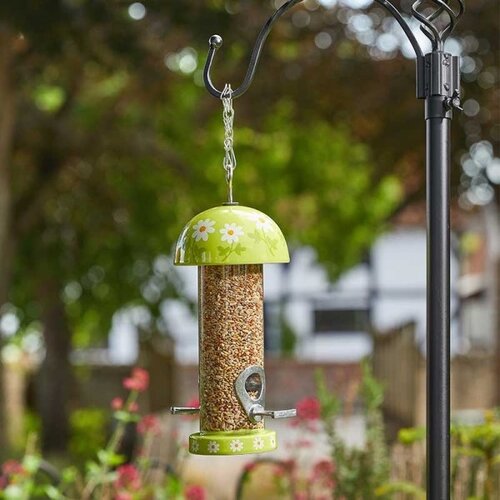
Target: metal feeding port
x=250, y=388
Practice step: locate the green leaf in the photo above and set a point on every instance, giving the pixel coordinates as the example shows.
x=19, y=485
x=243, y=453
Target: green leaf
x=123, y=416
x=31, y=463
x=411, y=435
x=49, y=97
x=69, y=475
x=401, y=487
x=239, y=249
x=109, y=458
x=53, y=493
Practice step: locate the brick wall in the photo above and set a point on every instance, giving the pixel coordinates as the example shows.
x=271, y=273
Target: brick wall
x=287, y=381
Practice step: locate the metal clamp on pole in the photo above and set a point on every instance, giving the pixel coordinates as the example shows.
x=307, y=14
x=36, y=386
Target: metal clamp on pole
x=438, y=74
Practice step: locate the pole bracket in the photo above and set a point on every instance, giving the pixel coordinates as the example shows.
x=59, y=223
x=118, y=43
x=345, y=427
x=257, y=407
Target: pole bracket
x=438, y=74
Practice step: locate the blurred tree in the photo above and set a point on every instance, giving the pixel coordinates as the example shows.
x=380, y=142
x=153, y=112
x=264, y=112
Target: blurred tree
x=108, y=161
x=108, y=145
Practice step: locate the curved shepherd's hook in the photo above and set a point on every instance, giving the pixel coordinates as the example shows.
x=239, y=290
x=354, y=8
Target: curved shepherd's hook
x=429, y=28
x=215, y=43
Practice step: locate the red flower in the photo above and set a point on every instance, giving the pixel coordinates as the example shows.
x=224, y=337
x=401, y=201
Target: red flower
x=192, y=403
x=290, y=464
x=194, y=492
x=133, y=406
x=12, y=468
x=322, y=473
x=128, y=478
x=149, y=423
x=139, y=381
x=300, y=495
x=249, y=467
x=323, y=468
x=117, y=403
x=3, y=482
x=280, y=470
x=308, y=409
x=123, y=495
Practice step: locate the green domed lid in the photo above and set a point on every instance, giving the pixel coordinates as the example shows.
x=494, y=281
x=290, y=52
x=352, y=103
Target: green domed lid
x=230, y=234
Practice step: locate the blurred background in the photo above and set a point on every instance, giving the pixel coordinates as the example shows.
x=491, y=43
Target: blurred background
x=109, y=144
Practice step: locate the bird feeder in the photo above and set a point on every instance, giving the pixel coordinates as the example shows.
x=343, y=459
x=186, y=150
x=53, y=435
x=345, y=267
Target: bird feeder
x=230, y=244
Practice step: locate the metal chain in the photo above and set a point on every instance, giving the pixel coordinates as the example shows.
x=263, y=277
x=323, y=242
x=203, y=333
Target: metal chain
x=229, y=157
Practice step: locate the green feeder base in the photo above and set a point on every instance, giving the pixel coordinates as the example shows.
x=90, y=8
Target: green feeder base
x=232, y=443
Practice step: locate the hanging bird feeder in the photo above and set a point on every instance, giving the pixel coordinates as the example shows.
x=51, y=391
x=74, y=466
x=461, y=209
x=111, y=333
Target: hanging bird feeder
x=230, y=244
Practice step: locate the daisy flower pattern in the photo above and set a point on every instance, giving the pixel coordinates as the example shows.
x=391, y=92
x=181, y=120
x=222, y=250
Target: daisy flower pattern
x=231, y=233
x=272, y=441
x=261, y=221
x=202, y=229
x=213, y=447
x=195, y=446
x=258, y=443
x=236, y=445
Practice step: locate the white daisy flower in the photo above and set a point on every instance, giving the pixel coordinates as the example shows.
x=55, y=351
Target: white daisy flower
x=195, y=446
x=261, y=221
x=236, y=445
x=202, y=229
x=213, y=447
x=272, y=442
x=258, y=443
x=231, y=233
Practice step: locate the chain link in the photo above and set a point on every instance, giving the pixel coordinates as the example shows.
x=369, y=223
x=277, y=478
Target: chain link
x=229, y=162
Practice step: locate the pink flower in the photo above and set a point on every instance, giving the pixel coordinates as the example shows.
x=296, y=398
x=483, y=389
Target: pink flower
x=308, y=409
x=133, y=406
x=304, y=443
x=280, y=470
x=123, y=495
x=290, y=464
x=149, y=423
x=300, y=495
x=323, y=468
x=117, y=403
x=322, y=473
x=128, y=478
x=192, y=403
x=12, y=468
x=139, y=381
x=194, y=492
x=249, y=467
x=3, y=482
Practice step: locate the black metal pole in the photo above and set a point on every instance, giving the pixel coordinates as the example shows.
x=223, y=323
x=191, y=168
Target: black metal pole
x=438, y=82
x=438, y=119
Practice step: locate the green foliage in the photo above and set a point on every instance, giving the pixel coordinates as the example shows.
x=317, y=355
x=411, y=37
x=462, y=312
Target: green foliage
x=330, y=404
x=480, y=445
x=408, y=436
x=288, y=338
x=315, y=205
x=88, y=433
x=387, y=490
x=104, y=476
x=475, y=459
x=358, y=472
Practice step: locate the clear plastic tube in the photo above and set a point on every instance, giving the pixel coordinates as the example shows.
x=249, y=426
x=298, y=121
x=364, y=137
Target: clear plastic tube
x=231, y=328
